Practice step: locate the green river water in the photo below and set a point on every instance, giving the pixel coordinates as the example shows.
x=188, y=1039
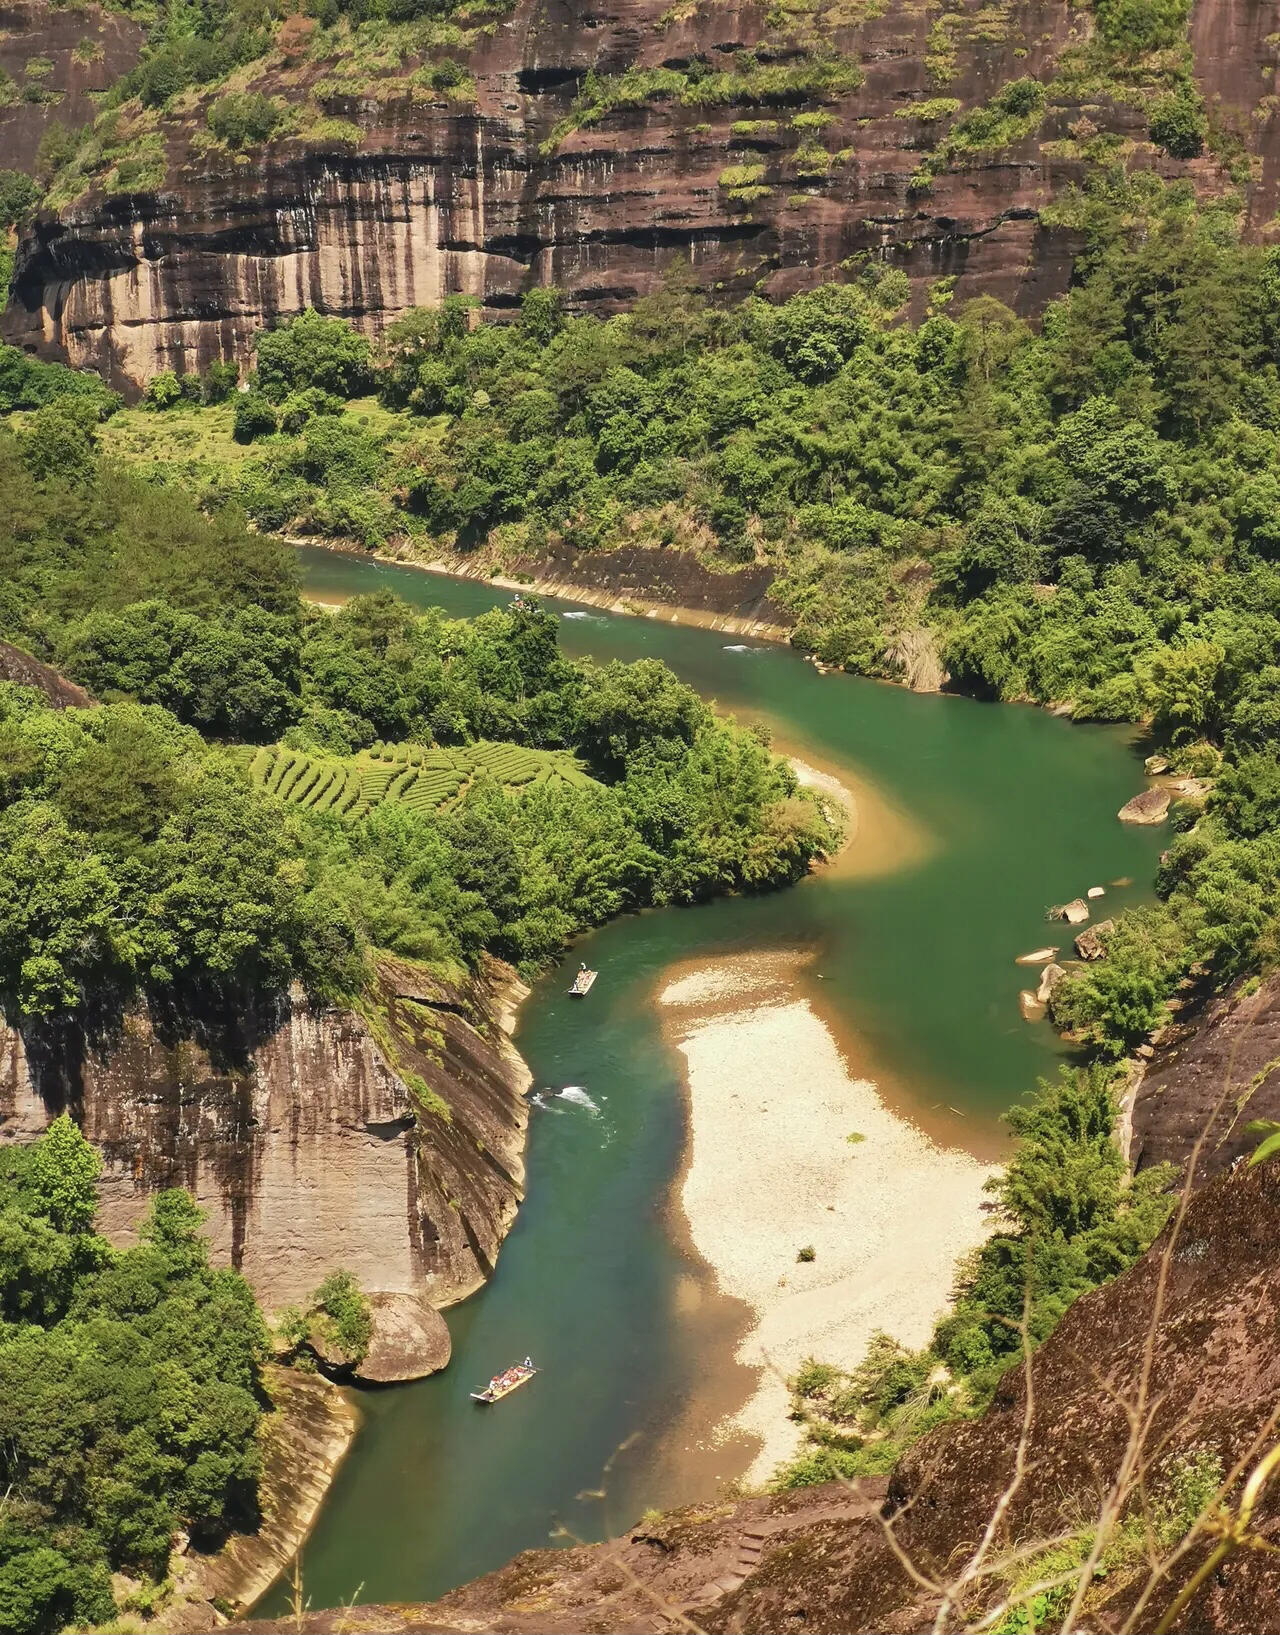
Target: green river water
x=1017, y=810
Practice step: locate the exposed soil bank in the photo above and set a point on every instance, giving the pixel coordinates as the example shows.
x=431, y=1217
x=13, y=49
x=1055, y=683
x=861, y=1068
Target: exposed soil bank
x=642, y=580
x=772, y=1171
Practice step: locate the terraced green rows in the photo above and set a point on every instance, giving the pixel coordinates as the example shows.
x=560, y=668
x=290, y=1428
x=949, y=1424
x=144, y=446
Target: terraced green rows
x=424, y=780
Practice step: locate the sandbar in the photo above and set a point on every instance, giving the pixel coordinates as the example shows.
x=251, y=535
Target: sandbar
x=772, y=1103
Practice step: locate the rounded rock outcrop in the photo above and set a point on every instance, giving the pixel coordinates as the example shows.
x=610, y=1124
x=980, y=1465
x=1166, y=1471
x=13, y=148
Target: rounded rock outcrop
x=1151, y=806
x=410, y=1339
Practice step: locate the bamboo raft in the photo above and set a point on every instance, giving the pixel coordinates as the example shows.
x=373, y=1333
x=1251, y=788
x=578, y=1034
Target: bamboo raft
x=502, y=1385
x=582, y=982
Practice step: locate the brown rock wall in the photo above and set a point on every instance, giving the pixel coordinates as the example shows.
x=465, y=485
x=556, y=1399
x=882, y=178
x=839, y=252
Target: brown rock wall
x=1216, y=1068
x=440, y=197
x=301, y=1138
x=24, y=671
x=88, y=48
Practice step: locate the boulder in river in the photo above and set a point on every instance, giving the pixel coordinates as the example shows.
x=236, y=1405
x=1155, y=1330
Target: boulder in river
x=1076, y=912
x=410, y=1339
x=1096, y=891
x=1154, y=765
x=1049, y=980
x=1030, y=1006
x=1089, y=944
x=1151, y=806
x=1039, y=956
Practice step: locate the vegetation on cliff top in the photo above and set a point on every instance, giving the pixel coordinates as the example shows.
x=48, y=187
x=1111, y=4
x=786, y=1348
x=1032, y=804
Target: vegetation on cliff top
x=130, y=1393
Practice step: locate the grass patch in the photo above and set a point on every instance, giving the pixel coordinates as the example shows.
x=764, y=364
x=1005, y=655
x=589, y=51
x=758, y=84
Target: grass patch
x=428, y=1099
x=743, y=183
x=749, y=80
x=1014, y=112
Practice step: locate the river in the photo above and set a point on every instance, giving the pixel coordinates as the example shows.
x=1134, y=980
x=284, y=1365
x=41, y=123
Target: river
x=1011, y=810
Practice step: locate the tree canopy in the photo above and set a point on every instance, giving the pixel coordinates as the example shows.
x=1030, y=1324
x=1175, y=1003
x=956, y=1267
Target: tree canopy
x=130, y=1391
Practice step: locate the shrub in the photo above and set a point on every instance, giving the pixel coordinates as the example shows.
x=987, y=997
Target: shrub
x=163, y=391
x=220, y=380
x=345, y=1317
x=301, y=407
x=254, y=417
x=25, y=383
x=19, y=195
x=311, y=350
x=1178, y=125
x=245, y=118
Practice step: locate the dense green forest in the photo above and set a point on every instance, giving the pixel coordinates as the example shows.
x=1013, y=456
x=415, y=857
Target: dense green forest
x=1084, y=514
x=135, y=852
x=130, y=1392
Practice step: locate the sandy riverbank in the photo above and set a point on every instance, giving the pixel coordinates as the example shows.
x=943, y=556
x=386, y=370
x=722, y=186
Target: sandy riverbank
x=773, y=1101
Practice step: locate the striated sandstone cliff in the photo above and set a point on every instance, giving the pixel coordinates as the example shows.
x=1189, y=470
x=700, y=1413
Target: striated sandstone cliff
x=484, y=195
x=819, y=1559
x=304, y=1136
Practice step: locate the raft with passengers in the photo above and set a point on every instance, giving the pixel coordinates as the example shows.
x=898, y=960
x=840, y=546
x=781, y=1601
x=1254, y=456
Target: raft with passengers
x=502, y=1385
x=582, y=982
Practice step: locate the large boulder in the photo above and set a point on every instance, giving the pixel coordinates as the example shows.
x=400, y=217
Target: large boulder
x=410, y=1340
x=1030, y=1006
x=1049, y=980
x=1151, y=806
x=1089, y=944
x=1076, y=912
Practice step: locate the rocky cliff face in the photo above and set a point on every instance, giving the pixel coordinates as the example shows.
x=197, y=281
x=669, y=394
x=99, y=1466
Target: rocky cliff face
x=820, y=1560
x=389, y=1143
x=1216, y=1068
x=24, y=671
x=387, y=194
x=56, y=58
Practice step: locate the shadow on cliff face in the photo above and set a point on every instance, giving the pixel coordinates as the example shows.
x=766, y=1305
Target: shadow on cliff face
x=228, y=1031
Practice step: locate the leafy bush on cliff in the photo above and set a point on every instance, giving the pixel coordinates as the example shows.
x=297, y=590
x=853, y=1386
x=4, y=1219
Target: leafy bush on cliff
x=1179, y=125
x=129, y=1390
x=19, y=195
x=245, y=118
x=345, y=1315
